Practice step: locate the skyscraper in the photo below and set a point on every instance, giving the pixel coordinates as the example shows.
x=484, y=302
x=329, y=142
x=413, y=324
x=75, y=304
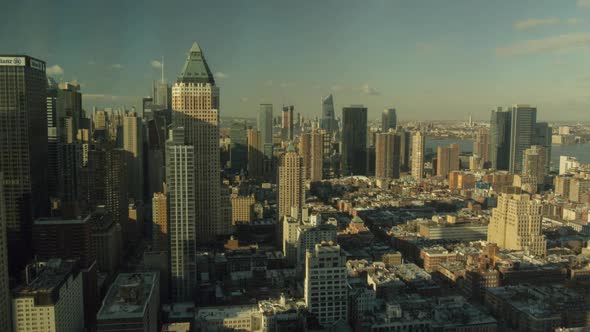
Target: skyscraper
x=305, y=152
x=160, y=222
x=447, y=159
x=317, y=155
x=522, y=134
x=354, y=140
x=133, y=145
x=181, y=185
x=115, y=189
x=328, y=121
x=481, y=146
x=23, y=142
x=418, y=146
x=255, y=154
x=535, y=164
x=516, y=224
x=195, y=106
x=287, y=123
x=388, y=119
x=543, y=134
x=500, y=127
x=239, y=146
x=387, y=155
x=290, y=183
x=405, y=147
x=5, y=304
x=265, y=127
x=325, y=291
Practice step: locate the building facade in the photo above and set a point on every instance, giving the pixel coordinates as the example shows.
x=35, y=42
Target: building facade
x=354, y=140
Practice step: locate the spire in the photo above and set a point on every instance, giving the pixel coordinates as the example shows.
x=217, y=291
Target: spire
x=195, y=69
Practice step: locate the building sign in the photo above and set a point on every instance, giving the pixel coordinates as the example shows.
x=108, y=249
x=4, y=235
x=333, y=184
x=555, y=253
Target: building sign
x=37, y=65
x=12, y=61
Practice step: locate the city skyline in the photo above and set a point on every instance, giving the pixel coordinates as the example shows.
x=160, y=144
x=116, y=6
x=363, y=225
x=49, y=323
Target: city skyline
x=419, y=56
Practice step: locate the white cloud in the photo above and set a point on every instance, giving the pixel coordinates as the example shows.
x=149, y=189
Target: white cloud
x=91, y=62
x=561, y=43
x=244, y=99
x=55, y=70
x=117, y=66
x=533, y=23
x=573, y=21
x=269, y=83
x=75, y=81
x=371, y=91
x=336, y=87
x=220, y=75
x=583, y=3
x=156, y=64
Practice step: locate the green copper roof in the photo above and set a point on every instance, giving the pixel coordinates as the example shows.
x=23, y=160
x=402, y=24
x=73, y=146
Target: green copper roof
x=291, y=148
x=357, y=220
x=195, y=69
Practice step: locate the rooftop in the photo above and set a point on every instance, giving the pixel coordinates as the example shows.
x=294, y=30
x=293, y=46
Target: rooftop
x=48, y=277
x=128, y=296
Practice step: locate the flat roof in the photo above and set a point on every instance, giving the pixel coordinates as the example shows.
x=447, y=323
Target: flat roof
x=116, y=306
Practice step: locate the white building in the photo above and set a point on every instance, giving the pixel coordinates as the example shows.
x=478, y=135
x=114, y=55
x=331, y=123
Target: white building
x=308, y=236
x=53, y=301
x=566, y=163
x=326, y=292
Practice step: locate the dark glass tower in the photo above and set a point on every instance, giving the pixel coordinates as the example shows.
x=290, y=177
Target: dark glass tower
x=500, y=139
x=388, y=120
x=522, y=134
x=23, y=150
x=354, y=140
x=328, y=121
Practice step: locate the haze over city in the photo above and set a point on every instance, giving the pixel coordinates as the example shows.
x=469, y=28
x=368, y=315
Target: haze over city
x=430, y=60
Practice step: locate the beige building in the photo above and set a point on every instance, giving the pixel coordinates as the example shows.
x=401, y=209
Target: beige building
x=578, y=187
x=316, y=170
x=242, y=208
x=418, y=146
x=160, y=222
x=447, y=159
x=516, y=224
x=133, y=145
x=326, y=291
x=195, y=106
x=52, y=301
x=481, y=146
x=290, y=226
x=291, y=189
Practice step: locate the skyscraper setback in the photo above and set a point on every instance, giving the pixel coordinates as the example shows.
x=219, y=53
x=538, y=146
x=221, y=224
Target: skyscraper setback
x=23, y=146
x=195, y=106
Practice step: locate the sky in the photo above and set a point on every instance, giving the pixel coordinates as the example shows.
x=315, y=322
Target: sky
x=429, y=59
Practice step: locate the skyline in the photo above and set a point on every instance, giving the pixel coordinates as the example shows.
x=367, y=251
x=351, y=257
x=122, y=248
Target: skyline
x=415, y=56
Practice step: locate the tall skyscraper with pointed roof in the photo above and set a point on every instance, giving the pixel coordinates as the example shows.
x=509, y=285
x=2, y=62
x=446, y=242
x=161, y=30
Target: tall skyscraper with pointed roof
x=195, y=106
x=328, y=121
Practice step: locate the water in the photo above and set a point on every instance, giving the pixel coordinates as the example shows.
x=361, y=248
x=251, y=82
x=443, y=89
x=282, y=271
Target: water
x=580, y=151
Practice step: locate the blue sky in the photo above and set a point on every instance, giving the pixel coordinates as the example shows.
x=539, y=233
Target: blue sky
x=429, y=59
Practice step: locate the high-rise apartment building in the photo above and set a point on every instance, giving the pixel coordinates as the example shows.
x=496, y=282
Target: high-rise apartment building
x=133, y=145
x=316, y=151
x=516, y=224
x=115, y=189
x=418, y=147
x=388, y=120
x=405, y=148
x=500, y=128
x=52, y=301
x=535, y=164
x=328, y=121
x=23, y=142
x=543, y=136
x=354, y=140
x=238, y=146
x=160, y=222
x=255, y=154
x=287, y=123
x=181, y=187
x=290, y=182
x=195, y=106
x=522, y=134
x=5, y=304
x=242, y=208
x=305, y=152
x=326, y=291
x=481, y=146
x=387, y=155
x=447, y=159
x=308, y=236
